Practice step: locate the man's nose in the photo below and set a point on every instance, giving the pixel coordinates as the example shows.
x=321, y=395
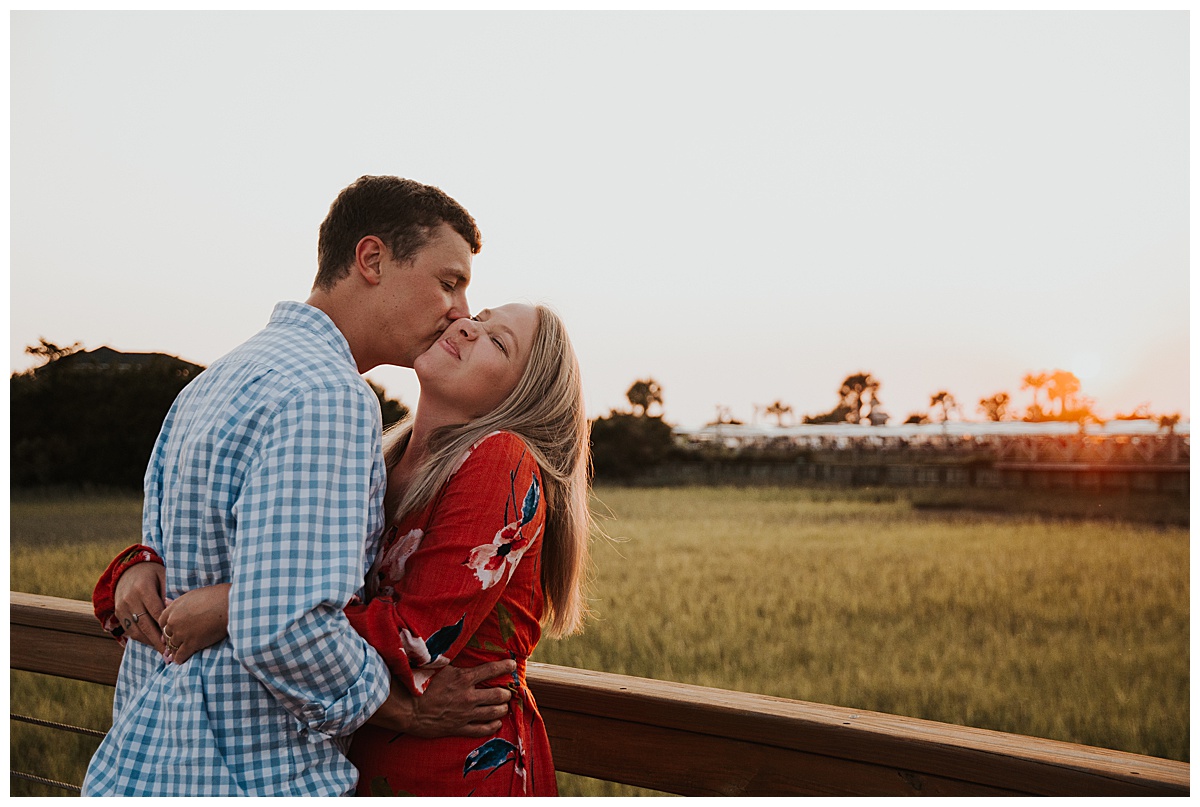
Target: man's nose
x=459, y=308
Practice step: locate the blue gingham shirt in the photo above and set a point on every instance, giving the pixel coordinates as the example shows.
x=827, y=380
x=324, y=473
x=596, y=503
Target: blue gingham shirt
x=268, y=474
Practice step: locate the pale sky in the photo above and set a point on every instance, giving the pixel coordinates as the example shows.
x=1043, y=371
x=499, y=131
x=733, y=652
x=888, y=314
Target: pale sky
x=743, y=206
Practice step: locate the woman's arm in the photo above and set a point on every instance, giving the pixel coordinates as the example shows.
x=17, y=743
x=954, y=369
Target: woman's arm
x=128, y=597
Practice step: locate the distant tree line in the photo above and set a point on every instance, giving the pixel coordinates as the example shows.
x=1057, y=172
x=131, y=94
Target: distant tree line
x=628, y=442
x=858, y=402
x=90, y=419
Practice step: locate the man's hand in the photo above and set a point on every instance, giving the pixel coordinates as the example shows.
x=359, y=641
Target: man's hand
x=138, y=603
x=453, y=705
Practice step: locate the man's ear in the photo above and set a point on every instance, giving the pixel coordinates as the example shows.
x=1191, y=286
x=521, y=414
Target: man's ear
x=368, y=259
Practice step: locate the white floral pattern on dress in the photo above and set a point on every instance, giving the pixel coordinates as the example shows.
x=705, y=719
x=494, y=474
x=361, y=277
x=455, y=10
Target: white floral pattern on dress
x=491, y=561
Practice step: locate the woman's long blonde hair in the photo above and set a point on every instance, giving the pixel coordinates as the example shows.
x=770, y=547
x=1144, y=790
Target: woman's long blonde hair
x=546, y=411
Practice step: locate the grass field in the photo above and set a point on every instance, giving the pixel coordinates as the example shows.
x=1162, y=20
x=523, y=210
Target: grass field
x=1076, y=630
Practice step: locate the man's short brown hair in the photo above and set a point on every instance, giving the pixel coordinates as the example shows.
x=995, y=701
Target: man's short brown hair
x=402, y=213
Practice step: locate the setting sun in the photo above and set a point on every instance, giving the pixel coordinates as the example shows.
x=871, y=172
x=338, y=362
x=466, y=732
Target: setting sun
x=1087, y=367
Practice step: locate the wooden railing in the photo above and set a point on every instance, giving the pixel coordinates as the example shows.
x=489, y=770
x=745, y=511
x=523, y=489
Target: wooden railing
x=699, y=741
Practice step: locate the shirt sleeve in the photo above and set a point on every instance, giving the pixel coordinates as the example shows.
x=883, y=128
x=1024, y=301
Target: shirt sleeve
x=104, y=593
x=303, y=518
x=152, y=486
x=487, y=518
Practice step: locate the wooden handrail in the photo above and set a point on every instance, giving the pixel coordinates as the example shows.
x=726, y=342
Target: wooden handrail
x=692, y=740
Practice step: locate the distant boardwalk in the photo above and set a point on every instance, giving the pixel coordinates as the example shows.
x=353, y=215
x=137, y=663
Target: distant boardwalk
x=1118, y=456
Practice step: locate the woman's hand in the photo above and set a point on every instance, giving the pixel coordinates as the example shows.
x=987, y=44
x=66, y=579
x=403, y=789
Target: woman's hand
x=198, y=619
x=138, y=603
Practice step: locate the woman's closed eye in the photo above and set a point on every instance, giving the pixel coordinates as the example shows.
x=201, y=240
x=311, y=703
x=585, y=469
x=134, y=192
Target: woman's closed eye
x=495, y=340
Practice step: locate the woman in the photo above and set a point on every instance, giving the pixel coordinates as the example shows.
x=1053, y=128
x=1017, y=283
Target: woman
x=487, y=502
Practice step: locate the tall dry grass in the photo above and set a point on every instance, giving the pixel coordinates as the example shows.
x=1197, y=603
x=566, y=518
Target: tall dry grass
x=1072, y=630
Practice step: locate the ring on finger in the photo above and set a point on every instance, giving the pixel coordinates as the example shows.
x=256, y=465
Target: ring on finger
x=135, y=616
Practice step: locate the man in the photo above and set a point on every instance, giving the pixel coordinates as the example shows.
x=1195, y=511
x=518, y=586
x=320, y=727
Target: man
x=268, y=474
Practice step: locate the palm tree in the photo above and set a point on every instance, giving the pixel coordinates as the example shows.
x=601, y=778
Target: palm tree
x=725, y=417
x=1168, y=422
x=995, y=407
x=49, y=352
x=946, y=401
x=778, y=410
x=1035, y=382
x=643, y=395
x=1062, y=388
x=876, y=414
x=854, y=394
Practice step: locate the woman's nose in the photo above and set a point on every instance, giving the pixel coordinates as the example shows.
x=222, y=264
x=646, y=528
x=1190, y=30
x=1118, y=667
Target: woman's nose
x=468, y=328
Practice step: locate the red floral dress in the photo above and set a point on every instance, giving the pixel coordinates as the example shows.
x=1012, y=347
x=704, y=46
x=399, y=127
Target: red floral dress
x=460, y=583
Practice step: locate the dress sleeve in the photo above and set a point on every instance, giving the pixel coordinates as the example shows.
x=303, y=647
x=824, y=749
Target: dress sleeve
x=103, y=595
x=489, y=515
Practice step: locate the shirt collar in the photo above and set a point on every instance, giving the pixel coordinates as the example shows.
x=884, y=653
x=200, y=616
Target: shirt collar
x=302, y=315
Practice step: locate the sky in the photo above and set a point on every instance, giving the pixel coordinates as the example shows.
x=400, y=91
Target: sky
x=743, y=206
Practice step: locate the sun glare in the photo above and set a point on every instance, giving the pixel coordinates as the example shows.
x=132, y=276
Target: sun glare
x=1086, y=367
